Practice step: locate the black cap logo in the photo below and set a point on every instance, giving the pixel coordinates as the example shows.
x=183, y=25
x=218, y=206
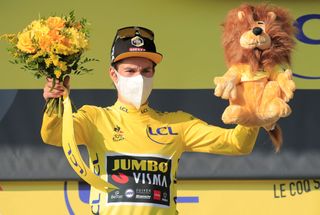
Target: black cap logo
x=112, y=53
x=137, y=41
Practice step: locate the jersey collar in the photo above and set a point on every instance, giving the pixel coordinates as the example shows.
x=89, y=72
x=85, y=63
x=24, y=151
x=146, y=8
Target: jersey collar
x=127, y=108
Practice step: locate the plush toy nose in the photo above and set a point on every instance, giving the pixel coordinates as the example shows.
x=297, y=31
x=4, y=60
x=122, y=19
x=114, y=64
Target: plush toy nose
x=257, y=31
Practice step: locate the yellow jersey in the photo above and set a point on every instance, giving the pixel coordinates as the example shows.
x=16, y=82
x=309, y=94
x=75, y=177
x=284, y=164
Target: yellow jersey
x=139, y=150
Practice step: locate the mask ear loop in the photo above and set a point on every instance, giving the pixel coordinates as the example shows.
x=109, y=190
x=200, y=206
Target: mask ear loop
x=117, y=74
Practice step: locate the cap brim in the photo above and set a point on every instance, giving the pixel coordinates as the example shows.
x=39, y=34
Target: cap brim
x=155, y=57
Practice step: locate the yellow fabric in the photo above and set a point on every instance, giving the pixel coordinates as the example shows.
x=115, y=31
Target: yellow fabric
x=139, y=150
x=73, y=155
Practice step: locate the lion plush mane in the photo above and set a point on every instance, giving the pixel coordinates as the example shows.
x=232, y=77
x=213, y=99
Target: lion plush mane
x=279, y=28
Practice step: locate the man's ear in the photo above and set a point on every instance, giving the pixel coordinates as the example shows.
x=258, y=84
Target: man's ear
x=113, y=74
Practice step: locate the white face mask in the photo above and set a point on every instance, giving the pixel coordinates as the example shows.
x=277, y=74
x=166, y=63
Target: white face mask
x=135, y=90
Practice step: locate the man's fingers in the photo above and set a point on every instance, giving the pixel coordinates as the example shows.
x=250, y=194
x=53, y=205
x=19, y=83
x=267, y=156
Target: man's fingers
x=49, y=92
x=46, y=89
x=48, y=95
x=50, y=80
x=66, y=82
x=52, y=95
x=56, y=86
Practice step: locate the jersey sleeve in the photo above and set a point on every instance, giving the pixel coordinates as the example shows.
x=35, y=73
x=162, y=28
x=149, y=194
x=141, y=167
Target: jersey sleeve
x=198, y=136
x=83, y=120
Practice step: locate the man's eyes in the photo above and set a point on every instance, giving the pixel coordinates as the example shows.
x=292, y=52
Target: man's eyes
x=143, y=71
x=134, y=71
x=130, y=71
x=147, y=71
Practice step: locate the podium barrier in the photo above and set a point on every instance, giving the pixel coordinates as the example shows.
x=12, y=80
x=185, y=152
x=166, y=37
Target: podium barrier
x=201, y=197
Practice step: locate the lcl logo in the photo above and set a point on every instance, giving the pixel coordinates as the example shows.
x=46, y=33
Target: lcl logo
x=302, y=37
x=160, y=132
x=166, y=130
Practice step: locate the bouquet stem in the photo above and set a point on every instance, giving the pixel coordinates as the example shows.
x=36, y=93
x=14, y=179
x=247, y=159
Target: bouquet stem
x=60, y=107
x=55, y=106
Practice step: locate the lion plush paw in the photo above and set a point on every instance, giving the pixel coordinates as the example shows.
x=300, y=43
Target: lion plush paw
x=276, y=109
x=235, y=114
x=225, y=87
x=286, y=84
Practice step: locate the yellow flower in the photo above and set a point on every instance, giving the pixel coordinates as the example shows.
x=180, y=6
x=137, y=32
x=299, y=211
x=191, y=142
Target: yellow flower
x=39, y=30
x=78, y=39
x=64, y=50
x=55, y=35
x=48, y=62
x=57, y=73
x=35, y=24
x=38, y=54
x=25, y=42
x=62, y=66
x=56, y=23
x=55, y=59
x=45, y=43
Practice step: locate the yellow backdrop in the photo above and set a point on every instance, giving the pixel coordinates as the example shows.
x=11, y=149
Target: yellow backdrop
x=188, y=33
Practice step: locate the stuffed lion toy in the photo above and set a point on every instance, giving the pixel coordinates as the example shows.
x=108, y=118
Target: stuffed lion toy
x=258, y=42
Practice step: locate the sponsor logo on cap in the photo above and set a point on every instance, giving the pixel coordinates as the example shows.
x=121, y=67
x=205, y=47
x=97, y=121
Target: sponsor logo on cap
x=137, y=49
x=137, y=41
x=112, y=54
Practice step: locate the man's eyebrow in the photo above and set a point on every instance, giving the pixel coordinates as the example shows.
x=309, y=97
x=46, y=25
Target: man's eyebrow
x=147, y=68
x=129, y=68
x=134, y=68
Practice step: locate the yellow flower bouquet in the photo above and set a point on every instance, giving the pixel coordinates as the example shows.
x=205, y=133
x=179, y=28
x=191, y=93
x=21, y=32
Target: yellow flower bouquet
x=52, y=48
